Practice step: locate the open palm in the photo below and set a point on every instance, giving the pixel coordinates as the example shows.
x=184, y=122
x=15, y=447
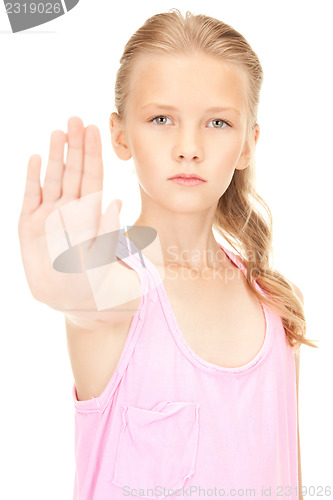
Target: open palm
x=79, y=179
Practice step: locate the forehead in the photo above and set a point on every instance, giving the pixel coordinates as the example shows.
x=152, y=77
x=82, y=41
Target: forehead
x=187, y=79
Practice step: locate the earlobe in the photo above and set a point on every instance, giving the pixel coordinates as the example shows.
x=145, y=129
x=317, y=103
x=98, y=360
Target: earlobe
x=118, y=138
x=243, y=162
x=245, y=157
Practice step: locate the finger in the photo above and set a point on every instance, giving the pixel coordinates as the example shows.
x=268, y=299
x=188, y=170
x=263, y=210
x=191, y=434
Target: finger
x=92, y=178
x=74, y=164
x=52, y=188
x=33, y=193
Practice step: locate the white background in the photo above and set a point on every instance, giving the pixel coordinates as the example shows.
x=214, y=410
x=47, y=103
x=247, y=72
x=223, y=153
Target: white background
x=67, y=67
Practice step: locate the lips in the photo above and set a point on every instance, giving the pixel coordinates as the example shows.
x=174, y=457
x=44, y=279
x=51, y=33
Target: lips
x=187, y=176
x=187, y=181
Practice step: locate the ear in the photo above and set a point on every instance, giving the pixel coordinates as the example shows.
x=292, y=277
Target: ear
x=118, y=137
x=248, y=149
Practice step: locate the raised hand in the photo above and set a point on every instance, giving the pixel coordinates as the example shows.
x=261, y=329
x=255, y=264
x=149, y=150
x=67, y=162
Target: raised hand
x=65, y=211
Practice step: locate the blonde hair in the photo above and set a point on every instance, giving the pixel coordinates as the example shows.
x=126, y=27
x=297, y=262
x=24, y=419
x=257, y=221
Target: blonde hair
x=237, y=218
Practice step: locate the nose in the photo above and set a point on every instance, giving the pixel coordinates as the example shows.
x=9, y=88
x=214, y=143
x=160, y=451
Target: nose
x=188, y=145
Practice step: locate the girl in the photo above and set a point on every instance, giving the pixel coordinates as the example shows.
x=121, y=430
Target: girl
x=186, y=385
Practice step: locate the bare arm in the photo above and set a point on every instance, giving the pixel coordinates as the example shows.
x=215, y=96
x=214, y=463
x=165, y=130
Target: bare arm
x=98, y=306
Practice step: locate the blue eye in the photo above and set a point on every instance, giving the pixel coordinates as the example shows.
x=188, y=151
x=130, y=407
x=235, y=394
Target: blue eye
x=161, y=116
x=167, y=118
x=222, y=121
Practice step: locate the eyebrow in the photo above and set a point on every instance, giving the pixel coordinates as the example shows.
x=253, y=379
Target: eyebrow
x=172, y=108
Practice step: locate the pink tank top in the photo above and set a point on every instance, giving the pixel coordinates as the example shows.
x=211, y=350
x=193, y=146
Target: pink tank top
x=172, y=425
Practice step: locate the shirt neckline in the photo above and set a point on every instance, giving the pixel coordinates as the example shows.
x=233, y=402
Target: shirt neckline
x=176, y=331
x=180, y=339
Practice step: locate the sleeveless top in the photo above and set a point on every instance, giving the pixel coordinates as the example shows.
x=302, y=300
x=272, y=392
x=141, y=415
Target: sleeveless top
x=171, y=425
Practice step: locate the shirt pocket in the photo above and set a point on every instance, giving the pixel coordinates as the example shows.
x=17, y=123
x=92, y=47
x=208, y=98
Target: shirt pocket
x=157, y=447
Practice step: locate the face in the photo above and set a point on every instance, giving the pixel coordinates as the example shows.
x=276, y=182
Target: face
x=170, y=128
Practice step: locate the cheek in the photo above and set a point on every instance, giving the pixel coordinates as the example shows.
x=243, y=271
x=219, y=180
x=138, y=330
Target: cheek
x=147, y=151
x=147, y=159
x=226, y=151
x=140, y=148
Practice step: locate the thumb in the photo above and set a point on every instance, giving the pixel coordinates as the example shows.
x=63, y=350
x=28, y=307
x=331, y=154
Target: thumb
x=110, y=220
x=119, y=204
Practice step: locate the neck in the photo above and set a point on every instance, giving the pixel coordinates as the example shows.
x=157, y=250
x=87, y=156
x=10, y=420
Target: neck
x=186, y=240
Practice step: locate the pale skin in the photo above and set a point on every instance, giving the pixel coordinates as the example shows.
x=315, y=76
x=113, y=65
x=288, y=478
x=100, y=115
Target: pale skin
x=187, y=139
x=187, y=142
